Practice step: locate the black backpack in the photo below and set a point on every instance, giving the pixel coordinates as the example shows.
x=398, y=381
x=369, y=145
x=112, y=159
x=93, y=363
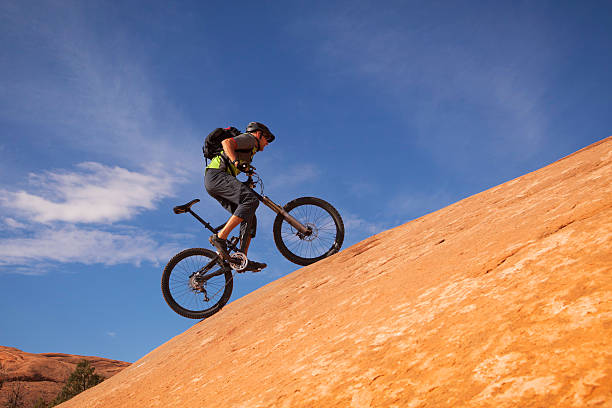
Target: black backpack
x=212, y=144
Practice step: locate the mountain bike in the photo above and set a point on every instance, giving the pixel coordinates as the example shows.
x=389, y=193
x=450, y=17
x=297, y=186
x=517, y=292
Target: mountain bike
x=198, y=282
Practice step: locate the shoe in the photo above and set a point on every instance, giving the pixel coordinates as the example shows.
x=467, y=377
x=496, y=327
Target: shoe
x=255, y=266
x=220, y=245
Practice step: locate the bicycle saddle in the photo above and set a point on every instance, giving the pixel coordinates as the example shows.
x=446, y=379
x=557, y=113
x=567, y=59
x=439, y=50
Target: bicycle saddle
x=180, y=209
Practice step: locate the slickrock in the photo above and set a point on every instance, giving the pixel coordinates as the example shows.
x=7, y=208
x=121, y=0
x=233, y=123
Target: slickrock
x=43, y=375
x=503, y=299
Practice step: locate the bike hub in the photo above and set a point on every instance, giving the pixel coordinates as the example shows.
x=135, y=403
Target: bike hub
x=195, y=283
x=312, y=232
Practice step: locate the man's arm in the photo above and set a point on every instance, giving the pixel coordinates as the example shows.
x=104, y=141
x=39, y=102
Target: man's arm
x=229, y=147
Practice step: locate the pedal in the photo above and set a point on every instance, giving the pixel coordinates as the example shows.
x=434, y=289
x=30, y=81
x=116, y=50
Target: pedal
x=238, y=261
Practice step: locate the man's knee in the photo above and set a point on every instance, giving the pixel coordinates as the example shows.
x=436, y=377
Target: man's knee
x=248, y=204
x=255, y=203
x=251, y=201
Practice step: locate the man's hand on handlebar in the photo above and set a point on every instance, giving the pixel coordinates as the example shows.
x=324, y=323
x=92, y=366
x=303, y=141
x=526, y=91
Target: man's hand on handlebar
x=245, y=168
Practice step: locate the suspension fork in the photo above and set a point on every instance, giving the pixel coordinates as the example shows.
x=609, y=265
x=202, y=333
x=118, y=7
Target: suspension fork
x=302, y=229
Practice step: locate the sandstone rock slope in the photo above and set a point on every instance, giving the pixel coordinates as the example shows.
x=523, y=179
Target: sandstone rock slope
x=503, y=299
x=44, y=375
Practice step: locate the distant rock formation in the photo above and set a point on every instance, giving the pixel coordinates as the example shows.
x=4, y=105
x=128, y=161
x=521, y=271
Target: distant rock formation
x=503, y=299
x=44, y=375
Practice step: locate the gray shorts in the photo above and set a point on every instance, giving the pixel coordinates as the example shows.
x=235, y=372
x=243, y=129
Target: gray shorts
x=235, y=197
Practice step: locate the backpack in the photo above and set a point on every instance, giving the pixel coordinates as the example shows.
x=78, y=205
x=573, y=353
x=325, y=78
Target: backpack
x=212, y=144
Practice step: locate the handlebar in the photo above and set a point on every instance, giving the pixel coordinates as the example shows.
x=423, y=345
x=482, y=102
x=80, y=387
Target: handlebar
x=250, y=172
x=246, y=168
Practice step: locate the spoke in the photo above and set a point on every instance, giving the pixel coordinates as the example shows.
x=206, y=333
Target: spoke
x=324, y=232
x=184, y=294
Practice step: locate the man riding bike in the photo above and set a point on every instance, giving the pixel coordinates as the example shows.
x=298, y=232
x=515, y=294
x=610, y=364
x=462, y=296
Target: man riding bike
x=221, y=183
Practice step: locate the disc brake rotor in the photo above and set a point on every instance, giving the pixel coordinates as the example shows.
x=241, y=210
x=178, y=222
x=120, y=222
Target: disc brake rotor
x=314, y=232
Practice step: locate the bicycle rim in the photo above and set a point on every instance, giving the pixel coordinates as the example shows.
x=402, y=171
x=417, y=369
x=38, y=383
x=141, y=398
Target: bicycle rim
x=190, y=289
x=327, y=231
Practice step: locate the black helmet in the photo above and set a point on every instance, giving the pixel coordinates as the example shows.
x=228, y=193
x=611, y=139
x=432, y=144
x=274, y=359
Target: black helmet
x=254, y=126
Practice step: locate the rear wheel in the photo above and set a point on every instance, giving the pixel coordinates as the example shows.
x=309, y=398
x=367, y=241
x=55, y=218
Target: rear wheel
x=194, y=285
x=325, y=224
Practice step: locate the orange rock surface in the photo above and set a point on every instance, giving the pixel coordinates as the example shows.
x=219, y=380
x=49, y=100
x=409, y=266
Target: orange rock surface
x=44, y=375
x=503, y=299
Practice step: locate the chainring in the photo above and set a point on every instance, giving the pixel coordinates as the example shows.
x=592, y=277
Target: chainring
x=238, y=261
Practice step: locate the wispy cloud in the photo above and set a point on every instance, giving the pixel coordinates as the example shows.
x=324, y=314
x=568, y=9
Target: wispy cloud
x=69, y=244
x=436, y=72
x=292, y=176
x=110, y=103
x=52, y=220
x=417, y=204
x=12, y=223
x=355, y=224
x=92, y=96
x=92, y=193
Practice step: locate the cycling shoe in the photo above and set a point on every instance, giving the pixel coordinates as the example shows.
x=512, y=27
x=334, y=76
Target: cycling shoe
x=220, y=245
x=255, y=266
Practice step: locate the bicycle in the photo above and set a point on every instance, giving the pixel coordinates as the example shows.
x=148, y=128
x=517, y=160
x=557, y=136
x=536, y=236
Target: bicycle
x=198, y=282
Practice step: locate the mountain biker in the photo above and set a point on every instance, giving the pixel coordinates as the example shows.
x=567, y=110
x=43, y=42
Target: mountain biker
x=221, y=184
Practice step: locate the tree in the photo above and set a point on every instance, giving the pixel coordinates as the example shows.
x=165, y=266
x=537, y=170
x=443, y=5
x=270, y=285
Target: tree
x=41, y=403
x=82, y=378
x=15, y=397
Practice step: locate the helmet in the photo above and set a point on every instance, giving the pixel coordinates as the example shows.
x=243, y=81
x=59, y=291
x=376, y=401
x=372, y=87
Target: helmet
x=254, y=126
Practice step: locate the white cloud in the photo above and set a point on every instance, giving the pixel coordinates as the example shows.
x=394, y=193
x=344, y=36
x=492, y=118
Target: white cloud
x=14, y=224
x=110, y=103
x=110, y=107
x=418, y=204
x=355, y=224
x=70, y=244
x=293, y=176
x=48, y=231
x=93, y=193
x=435, y=80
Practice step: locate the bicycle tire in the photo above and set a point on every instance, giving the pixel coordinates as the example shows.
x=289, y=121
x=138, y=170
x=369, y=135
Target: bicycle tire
x=179, y=292
x=328, y=231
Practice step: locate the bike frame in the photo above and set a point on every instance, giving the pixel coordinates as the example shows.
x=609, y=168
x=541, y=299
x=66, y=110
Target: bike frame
x=234, y=241
x=201, y=278
x=301, y=228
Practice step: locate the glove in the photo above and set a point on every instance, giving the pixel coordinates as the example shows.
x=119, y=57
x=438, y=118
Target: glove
x=244, y=167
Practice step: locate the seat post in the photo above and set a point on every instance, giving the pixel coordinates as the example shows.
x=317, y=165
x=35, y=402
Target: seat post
x=197, y=217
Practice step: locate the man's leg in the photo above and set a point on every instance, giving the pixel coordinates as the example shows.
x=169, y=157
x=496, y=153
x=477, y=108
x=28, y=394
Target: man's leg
x=247, y=232
x=246, y=241
x=232, y=223
x=236, y=198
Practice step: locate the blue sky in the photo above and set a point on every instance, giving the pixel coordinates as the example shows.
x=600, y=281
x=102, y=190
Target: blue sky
x=387, y=110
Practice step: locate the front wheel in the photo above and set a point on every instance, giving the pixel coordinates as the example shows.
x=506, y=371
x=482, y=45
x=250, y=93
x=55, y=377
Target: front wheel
x=194, y=284
x=326, y=231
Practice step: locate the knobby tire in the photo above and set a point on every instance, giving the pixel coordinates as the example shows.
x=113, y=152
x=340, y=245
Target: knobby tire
x=183, y=298
x=328, y=233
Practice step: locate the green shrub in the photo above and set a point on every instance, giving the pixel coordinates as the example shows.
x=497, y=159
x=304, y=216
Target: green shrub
x=82, y=378
x=41, y=404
